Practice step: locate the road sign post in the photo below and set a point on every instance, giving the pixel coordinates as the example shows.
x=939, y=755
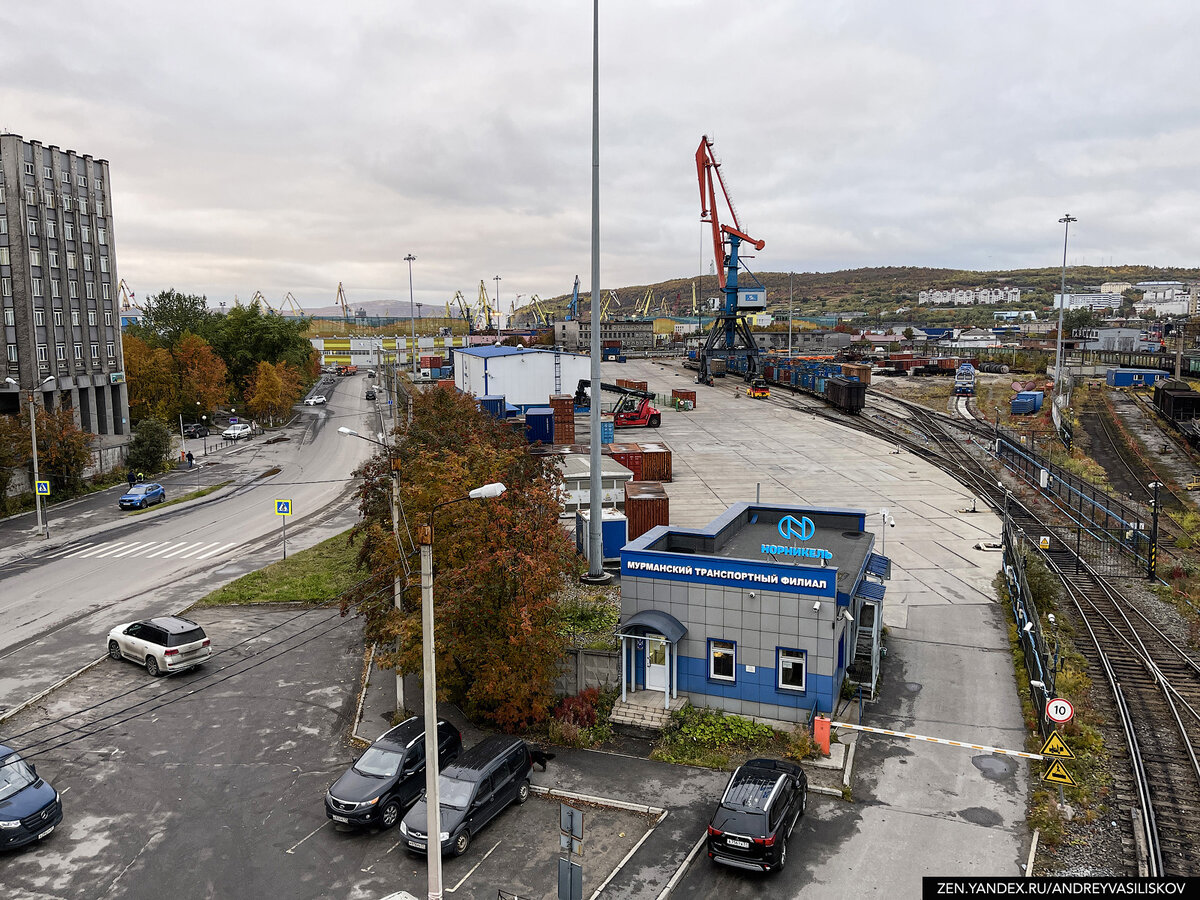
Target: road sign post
x=283, y=509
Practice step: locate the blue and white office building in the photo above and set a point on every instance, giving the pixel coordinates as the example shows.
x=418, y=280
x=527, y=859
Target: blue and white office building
x=760, y=613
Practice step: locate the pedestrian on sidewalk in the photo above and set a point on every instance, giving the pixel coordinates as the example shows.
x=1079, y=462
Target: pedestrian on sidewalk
x=191, y=459
x=132, y=477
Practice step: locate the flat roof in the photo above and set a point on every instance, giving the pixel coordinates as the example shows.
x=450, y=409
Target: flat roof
x=489, y=352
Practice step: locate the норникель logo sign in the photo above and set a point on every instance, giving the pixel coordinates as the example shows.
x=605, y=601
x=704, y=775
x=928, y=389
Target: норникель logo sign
x=791, y=528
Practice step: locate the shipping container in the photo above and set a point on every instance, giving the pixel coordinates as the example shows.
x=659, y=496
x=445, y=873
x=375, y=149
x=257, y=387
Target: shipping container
x=630, y=456
x=1134, y=377
x=848, y=396
x=646, y=506
x=656, y=462
x=539, y=425
x=607, y=431
x=446, y=383
x=613, y=529
x=677, y=394
x=494, y=405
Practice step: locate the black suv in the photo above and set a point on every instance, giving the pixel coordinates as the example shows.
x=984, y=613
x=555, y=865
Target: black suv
x=762, y=803
x=389, y=776
x=195, y=430
x=486, y=779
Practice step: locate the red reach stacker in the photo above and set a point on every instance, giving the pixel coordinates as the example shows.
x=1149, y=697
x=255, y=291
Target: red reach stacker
x=633, y=410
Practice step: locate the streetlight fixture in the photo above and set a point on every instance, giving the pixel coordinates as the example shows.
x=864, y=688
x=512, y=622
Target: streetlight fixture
x=43, y=529
x=397, y=581
x=410, y=259
x=1065, y=221
x=496, y=278
x=433, y=822
x=888, y=522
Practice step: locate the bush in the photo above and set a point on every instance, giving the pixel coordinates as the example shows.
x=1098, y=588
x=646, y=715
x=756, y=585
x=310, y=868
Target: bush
x=579, y=710
x=704, y=737
x=150, y=447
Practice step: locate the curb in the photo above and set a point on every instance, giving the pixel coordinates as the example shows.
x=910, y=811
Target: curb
x=50, y=690
x=362, y=697
x=679, y=873
x=1033, y=852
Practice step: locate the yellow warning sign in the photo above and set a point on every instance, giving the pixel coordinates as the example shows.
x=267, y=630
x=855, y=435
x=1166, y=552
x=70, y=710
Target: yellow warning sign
x=1057, y=774
x=1056, y=746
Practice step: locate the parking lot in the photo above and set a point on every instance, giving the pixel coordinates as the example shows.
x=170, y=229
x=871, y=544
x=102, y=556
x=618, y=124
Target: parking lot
x=215, y=789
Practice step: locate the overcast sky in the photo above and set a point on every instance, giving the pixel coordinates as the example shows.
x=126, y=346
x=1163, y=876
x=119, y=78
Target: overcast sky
x=289, y=146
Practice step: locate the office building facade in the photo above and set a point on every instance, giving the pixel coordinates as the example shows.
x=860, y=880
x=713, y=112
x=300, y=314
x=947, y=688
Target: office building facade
x=58, y=286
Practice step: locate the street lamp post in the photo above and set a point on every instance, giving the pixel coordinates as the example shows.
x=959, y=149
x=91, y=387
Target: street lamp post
x=410, y=259
x=789, y=315
x=1152, y=553
x=888, y=522
x=43, y=529
x=204, y=431
x=497, y=280
x=433, y=822
x=1065, y=221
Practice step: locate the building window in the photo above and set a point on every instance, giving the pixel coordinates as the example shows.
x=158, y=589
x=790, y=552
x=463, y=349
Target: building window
x=9, y=316
x=85, y=233
x=101, y=234
x=6, y=287
x=28, y=168
x=83, y=206
x=89, y=291
x=66, y=202
x=58, y=318
x=104, y=264
x=35, y=257
x=54, y=288
x=41, y=352
x=53, y=257
x=60, y=353
x=95, y=348
x=81, y=180
x=91, y=317
x=68, y=231
x=33, y=227
x=37, y=286
x=4, y=257
x=48, y=198
x=74, y=317
x=791, y=669
x=107, y=318
x=47, y=173
x=12, y=352
x=104, y=289
x=3, y=224
x=51, y=229
x=73, y=289
x=87, y=261
x=39, y=317
x=99, y=206
x=722, y=660
x=109, y=348
x=30, y=196
x=64, y=176
x=79, y=351
x=99, y=184
x=71, y=259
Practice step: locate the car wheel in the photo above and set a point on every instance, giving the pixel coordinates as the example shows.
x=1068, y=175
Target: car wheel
x=152, y=666
x=461, y=842
x=782, y=857
x=142, y=505
x=654, y=421
x=804, y=801
x=390, y=815
x=523, y=791
x=114, y=650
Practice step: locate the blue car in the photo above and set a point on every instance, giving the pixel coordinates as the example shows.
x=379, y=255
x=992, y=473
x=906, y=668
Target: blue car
x=142, y=495
x=29, y=807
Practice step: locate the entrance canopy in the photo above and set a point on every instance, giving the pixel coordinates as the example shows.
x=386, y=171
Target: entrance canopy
x=652, y=621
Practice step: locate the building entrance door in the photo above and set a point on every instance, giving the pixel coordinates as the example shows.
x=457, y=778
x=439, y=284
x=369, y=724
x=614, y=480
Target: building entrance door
x=656, y=662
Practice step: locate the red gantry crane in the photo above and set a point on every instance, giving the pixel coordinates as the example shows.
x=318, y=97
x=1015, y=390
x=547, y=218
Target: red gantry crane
x=730, y=337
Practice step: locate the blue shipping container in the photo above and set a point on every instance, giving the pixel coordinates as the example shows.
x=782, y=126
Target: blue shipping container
x=494, y=405
x=539, y=425
x=607, y=432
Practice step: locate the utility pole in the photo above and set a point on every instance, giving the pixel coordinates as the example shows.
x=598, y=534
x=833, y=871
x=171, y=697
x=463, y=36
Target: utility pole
x=1065, y=221
x=410, y=259
x=789, y=314
x=1152, y=553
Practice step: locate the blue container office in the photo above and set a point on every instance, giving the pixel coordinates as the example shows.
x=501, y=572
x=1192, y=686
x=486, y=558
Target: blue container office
x=539, y=425
x=1134, y=377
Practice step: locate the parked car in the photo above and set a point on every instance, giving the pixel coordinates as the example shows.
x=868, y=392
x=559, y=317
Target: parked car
x=370, y=395
x=142, y=495
x=29, y=807
x=389, y=776
x=472, y=792
x=162, y=644
x=761, y=805
x=195, y=430
x=236, y=432
x=315, y=400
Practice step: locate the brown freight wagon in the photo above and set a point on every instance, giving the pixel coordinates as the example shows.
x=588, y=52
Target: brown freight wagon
x=646, y=506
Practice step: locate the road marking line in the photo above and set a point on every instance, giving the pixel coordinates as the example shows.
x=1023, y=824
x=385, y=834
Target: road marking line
x=92, y=551
x=471, y=871
x=74, y=548
x=215, y=551
x=306, y=837
x=198, y=548
x=933, y=740
x=163, y=549
x=175, y=552
x=140, y=547
x=120, y=548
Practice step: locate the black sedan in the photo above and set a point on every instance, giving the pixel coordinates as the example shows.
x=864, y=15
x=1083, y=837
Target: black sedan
x=761, y=805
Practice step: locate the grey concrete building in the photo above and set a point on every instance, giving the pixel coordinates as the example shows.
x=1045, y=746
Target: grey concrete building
x=58, y=285
x=633, y=335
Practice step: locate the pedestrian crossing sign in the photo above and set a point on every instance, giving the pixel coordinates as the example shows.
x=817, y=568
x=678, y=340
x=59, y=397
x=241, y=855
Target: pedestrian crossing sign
x=1057, y=774
x=43, y=488
x=283, y=507
x=1057, y=747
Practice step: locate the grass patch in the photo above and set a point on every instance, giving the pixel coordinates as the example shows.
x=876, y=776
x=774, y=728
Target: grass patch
x=203, y=492
x=316, y=575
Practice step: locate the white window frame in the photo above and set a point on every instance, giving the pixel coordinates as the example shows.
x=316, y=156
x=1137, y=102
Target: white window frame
x=89, y=291
x=41, y=352
x=83, y=206
x=104, y=264
x=111, y=348
x=3, y=224
x=5, y=256
x=78, y=351
x=51, y=229
x=95, y=348
x=792, y=657
x=73, y=289
x=74, y=317
x=12, y=353
x=65, y=176
x=72, y=259
x=47, y=172
x=85, y=233
x=104, y=290
x=68, y=231
x=66, y=202
x=108, y=318
x=30, y=196
x=722, y=645
x=60, y=353
x=37, y=286
x=5, y=287
x=81, y=180
x=101, y=234
x=91, y=317
x=58, y=318
x=35, y=257
x=28, y=168
x=33, y=227
x=52, y=258
x=87, y=262
x=54, y=288
x=10, y=317
x=39, y=317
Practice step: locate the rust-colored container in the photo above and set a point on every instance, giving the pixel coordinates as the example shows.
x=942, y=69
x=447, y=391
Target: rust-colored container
x=628, y=455
x=564, y=417
x=656, y=462
x=446, y=383
x=638, y=385
x=646, y=505
x=431, y=362
x=677, y=394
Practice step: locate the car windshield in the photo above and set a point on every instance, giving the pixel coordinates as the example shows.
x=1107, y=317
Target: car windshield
x=140, y=489
x=378, y=762
x=15, y=775
x=454, y=793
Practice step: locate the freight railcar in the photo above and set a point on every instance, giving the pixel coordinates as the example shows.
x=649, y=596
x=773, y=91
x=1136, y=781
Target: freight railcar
x=822, y=379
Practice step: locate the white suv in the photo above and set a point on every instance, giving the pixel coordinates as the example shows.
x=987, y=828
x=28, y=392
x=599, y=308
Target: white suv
x=163, y=644
x=236, y=432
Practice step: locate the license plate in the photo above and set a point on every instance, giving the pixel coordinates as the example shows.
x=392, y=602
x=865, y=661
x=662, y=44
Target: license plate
x=341, y=819
x=738, y=842
x=416, y=844
x=46, y=832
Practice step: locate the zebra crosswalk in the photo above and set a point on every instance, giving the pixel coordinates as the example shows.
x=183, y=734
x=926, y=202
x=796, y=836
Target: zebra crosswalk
x=145, y=550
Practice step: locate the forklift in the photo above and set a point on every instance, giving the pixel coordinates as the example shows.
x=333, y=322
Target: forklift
x=633, y=410
x=759, y=390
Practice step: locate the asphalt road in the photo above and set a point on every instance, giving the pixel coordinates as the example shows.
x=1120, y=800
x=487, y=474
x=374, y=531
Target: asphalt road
x=102, y=567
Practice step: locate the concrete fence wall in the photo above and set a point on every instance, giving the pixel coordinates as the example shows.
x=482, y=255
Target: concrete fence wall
x=582, y=669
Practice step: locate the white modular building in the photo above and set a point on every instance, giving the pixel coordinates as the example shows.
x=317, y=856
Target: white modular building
x=524, y=377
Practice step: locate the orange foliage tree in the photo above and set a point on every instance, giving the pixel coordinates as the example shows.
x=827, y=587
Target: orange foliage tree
x=153, y=381
x=64, y=450
x=499, y=564
x=203, y=380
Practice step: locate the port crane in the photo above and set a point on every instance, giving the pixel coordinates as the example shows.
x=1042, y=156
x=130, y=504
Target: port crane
x=573, y=306
x=340, y=300
x=730, y=337
x=483, y=310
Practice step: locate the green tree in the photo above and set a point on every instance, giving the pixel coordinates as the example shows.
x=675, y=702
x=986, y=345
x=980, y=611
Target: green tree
x=151, y=445
x=152, y=378
x=169, y=315
x=499, y=564
x=14, y=452
x=245, y=337
x=64, y=450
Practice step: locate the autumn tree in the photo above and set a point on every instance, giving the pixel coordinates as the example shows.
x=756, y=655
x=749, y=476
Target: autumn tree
x=498, y=564
x=151, y=375
x=64, y=450
x=203, y=378
x=14, y=452
x=265, y=392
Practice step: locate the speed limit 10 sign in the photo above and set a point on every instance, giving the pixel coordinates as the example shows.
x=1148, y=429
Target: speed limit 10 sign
x=1059, y=710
